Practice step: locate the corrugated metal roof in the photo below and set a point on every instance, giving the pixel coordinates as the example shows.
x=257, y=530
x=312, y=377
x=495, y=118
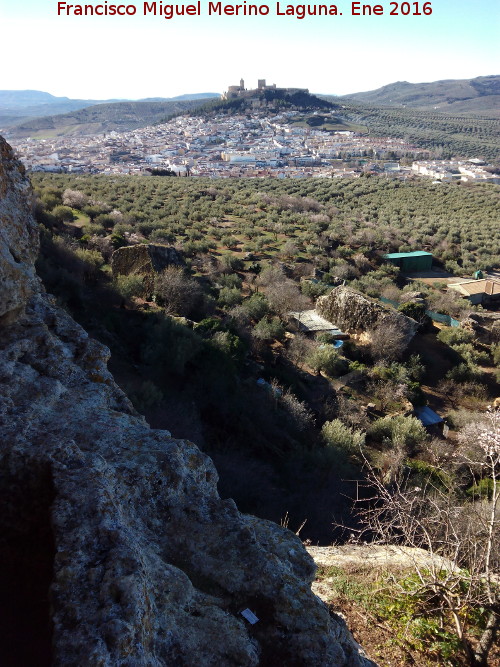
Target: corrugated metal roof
x=400, y=255
x=311, y=321
x=427, y=416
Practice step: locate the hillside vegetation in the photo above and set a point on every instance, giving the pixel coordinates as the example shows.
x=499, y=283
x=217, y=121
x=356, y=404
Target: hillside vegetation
x=207, y=349
x=446, y=135
x=119, y=116
x=475, y=96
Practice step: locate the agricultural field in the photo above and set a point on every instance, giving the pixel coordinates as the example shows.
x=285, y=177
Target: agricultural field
x=206, y=347
x=189, y=349
x=467, y=134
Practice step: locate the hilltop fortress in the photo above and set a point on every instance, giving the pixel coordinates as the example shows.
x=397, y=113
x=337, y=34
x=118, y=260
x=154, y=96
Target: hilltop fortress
x=234, y=92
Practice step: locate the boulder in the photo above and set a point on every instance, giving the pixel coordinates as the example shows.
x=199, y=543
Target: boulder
x=355, y=313
x=144, y=259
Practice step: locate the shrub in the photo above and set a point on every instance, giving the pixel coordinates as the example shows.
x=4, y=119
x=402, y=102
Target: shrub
x=176, y=291
x=455, y=336
x=256, y=306
x=423, y=473
x=229, y=343
x=268, y=329
x=387, y=341
x=338, y=435
x=398, y=431
x=230, y=280
x=63, y=214
x=118, y=241
x=414, y=310
x=146, y=397
x=297, y=411
x=482, y=489
x=162, y=236
x=325, y=358
x=74, y=198
x=464, y=372
x=229, y=297
x=130, y=286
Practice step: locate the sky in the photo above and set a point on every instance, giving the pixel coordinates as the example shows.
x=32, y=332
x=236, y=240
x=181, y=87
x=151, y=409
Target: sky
x=133, y=57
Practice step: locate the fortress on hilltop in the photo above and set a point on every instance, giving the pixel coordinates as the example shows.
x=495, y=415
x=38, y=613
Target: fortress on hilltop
x=234, y=92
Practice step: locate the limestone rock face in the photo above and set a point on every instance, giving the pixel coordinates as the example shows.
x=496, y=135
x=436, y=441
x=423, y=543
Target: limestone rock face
x=355, y=313
x=18, y=236
x=145, y=260
x=143, y=563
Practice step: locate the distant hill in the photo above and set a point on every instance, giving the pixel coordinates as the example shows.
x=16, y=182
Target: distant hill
x=277, y=99
x=119, y=116
x=17, y=106
x=471, y=96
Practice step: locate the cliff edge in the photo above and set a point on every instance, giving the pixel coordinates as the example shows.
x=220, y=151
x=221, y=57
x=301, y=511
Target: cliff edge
x=117, y=549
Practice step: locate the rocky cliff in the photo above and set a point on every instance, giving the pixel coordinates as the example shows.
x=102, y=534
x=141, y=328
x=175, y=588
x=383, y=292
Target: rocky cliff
x=116, y=548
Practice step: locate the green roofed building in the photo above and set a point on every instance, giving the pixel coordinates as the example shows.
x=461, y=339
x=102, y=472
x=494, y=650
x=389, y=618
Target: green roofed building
x=411, y=262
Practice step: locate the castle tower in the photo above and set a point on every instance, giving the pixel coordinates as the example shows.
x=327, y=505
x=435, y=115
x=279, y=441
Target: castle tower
x=261, y=84
x=242, y=84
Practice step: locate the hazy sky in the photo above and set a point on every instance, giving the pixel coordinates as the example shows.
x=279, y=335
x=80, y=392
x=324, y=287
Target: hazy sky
x=146, y=56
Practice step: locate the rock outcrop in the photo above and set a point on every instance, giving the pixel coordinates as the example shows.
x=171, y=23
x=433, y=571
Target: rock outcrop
x=116, y=548
x=355, y=313
x=144, y=259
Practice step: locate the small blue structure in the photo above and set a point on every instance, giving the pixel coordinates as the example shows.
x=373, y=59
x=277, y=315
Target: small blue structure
x=427, y=416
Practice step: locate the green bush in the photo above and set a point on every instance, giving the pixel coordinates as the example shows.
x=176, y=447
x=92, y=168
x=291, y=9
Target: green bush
x=464, y=372
x=256, y=307
x=470, y=354
x=229, y=297
x=455, y=336
x=229, y=343
x=482, y=489
x=325, y=358
x=130, y=286
x=398, y=431
x=338, y=435
x=63, y=214
x=268, y=329
x=118, y=241
x=414, y=310
x=146, y=397
x=423, y=473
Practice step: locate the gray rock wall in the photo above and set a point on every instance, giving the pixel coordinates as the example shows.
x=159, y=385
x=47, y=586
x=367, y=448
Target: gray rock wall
x=134, y=558
x=355, y=313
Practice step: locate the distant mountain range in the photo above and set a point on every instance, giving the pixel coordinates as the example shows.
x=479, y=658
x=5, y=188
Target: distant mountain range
x=34, y=113
x=470, y=96
x=20, y=106
x=119, y=116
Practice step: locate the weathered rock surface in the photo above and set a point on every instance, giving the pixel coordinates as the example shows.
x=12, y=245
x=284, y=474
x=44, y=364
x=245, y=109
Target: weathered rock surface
x=355, y=313
x=18, y=238
x=144, y=563
x=144, y=259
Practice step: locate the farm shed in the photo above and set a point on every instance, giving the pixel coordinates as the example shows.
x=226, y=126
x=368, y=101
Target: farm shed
x=484, y=292
x=432, y=422
x=411, y=262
